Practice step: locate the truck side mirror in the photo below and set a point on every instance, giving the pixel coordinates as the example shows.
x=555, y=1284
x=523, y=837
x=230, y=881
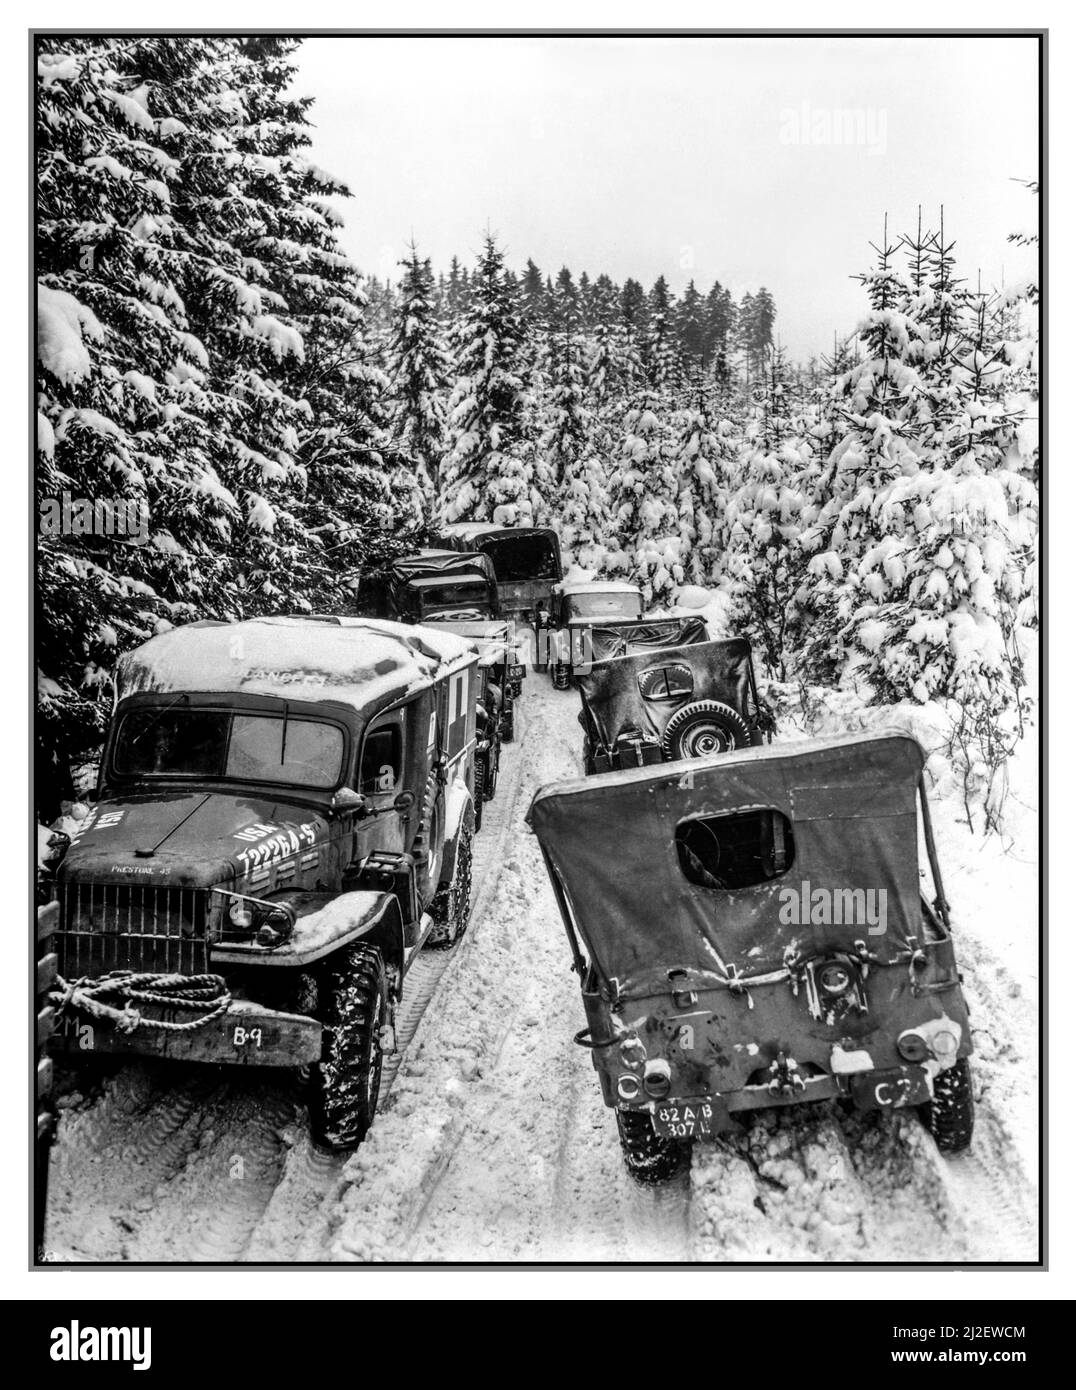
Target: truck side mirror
x=347, y=799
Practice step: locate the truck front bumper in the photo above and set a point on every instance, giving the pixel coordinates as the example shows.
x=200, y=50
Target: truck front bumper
x=245, y=1035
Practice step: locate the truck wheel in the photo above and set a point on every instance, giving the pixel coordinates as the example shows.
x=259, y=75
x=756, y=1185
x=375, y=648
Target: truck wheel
x=950, y=1116
x=345, y=1083
x=650, y=1158
x=452, y=907
x=560, y=674
x=702, y=728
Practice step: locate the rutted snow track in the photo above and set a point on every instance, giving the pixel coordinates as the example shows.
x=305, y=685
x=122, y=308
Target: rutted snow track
x=492, y=1142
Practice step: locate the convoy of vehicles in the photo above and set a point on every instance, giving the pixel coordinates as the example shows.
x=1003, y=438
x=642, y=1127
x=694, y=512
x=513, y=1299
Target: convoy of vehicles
x=283, y=819
x=746, y=920
x=457, y=592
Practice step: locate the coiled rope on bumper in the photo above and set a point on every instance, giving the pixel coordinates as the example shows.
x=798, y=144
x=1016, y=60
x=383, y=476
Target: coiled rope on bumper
x=205, y=995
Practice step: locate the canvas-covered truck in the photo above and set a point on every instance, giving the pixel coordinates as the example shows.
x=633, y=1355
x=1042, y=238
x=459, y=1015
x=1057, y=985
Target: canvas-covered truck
x=601, y=619
x=659, y=704
x=457, y=592
x=526, y=559
x=284, y=817
x=749, y=931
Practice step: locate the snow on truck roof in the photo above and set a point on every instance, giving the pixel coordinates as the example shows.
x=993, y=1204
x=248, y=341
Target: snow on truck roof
x=363, y=663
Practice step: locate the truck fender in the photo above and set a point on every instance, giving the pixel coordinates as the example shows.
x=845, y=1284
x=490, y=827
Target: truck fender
x=325, y=922
x=459, y=805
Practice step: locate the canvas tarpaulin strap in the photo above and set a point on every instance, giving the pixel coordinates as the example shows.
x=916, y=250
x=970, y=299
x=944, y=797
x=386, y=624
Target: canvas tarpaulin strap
x=611, y=839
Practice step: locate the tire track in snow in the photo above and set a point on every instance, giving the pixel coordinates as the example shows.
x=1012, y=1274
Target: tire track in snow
x=301, y=1216
x=505, y=1150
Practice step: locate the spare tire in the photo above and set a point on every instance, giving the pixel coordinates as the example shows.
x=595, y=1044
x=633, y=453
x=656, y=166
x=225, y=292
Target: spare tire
x=702, y=728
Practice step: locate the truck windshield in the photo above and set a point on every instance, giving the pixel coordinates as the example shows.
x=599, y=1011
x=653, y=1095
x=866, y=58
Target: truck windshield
x=611, y=605
x=229, y=744
x=447, y=600
x=518, y=558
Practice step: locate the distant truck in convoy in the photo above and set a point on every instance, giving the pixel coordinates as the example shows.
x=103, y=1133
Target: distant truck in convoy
x=526, y=560
x=284, y=817
x=456, y=591
x=599, y=619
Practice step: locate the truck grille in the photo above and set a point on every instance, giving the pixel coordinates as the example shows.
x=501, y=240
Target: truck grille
x=116, y=926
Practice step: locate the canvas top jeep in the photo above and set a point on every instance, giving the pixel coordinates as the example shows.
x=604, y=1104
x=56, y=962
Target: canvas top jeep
x=283, y=819
x=671, y=702
x=598, y=620
x=749, y=931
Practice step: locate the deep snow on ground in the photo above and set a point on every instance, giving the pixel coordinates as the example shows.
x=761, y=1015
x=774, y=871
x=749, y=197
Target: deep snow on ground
x=493, y=1142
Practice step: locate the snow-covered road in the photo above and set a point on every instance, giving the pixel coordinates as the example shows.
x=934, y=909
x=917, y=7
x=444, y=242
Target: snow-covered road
x=493, y=1142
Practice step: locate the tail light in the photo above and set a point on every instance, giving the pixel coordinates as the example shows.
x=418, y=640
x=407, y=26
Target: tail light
x=912, y=1046
x=657, y=1079
x=834, y=978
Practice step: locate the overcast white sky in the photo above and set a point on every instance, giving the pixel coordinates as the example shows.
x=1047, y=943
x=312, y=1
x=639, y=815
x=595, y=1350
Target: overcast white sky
x=674, y=156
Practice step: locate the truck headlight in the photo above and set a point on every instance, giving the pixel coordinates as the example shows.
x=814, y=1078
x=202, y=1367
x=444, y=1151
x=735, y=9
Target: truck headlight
x=275, y=925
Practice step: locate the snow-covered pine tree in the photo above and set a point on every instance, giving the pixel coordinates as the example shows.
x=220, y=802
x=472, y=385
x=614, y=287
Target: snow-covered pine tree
x=702, y=453
x=871, y=407
x=661, y=353
x=928, y=601
x=719, y=317
x=131, y=138
x=419, y=373
x=186, y=252
x=488, y=472
x=575, y=499
x=354, y=498
x=644, y=502
x=691, y=333
x=764, y=559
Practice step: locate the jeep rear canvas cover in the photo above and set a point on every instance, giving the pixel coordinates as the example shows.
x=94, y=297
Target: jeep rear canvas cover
x=611, y=840
x=612, y=694
x=611, y=639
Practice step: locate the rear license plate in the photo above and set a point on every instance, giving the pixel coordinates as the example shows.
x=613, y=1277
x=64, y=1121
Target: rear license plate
x=516, y=673
x=689, y=1119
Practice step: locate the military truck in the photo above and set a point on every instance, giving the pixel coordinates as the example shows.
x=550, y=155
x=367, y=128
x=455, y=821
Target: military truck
x=284, y=817
x=749, y=932
x=660, y=704
x=457, y=592
x=601, y=619
x=526, y=559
